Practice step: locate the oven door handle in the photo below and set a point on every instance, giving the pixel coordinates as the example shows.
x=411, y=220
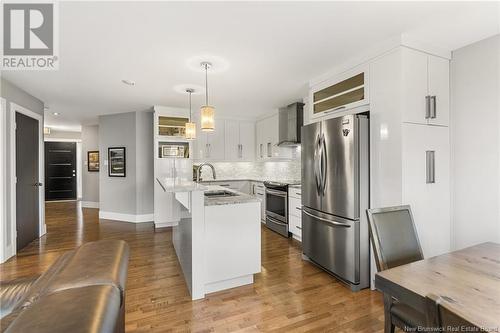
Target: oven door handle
x=278, y=193
x=275, y=221
x=338, y=224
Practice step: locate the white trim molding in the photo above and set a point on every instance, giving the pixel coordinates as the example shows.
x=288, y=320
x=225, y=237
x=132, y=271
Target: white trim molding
x=61, y=140
x=42, y=229
x=139, y=218
x=3, y=178
x=90, y=204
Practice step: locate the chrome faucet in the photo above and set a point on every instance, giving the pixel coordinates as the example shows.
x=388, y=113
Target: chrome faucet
x=198, y=174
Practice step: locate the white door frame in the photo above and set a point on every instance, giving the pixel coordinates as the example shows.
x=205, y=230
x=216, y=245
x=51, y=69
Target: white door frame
x=3, y=175
x=41, y=174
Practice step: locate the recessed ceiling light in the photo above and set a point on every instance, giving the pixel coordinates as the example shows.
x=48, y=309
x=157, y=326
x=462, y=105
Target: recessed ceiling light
x=129, y=82
x=55, y=113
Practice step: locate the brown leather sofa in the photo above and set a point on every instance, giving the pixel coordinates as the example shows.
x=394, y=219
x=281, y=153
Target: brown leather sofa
x=83, y=291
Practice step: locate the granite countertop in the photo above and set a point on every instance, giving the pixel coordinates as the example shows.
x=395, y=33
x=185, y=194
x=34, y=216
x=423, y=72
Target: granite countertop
x=231, y=200
x=286, y=181
x=173, y=185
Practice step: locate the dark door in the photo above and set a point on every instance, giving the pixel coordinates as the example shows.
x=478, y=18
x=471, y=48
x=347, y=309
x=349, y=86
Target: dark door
x=60, y=171
x=27, y=185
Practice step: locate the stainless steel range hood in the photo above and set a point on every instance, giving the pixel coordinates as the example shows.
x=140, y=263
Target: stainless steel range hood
x=291, y=119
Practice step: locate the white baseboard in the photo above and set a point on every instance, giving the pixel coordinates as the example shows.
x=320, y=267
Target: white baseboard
x=90, y=204
x=226, y=284
x=140, y=218
x=166, y=224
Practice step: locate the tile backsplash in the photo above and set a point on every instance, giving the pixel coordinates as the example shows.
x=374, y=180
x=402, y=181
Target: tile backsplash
x=269, y=170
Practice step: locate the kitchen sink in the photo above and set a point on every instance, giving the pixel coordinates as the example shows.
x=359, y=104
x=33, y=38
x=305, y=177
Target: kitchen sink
x=220, y=194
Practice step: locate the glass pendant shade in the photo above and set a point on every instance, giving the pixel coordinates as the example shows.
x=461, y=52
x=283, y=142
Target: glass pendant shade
x=207, y=118
x=190, y=131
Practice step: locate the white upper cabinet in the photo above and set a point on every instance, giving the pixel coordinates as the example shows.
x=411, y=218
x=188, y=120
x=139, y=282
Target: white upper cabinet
x=232, y=140
x=267, y=132
x=439, y=88
x=247, y=140
x=345, y=91
x=210, y=146
x=425, y=88
x=240, y=140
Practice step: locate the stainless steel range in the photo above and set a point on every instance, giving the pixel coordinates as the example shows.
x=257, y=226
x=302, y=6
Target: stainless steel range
x=277, y=207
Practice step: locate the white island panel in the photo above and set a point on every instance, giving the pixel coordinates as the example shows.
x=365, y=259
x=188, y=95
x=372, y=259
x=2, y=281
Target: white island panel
x=232, y=251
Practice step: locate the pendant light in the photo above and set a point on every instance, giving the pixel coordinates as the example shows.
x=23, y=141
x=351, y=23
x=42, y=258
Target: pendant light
x=190, y=126
x=207, y=111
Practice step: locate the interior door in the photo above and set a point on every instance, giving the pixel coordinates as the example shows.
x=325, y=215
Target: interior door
x=60, y=171
x=310, y=158
x=27, y=185
x=340, y=167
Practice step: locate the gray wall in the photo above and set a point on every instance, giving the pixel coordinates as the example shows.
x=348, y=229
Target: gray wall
x=475, y=138
x=90, y=180
x=12, y=93
x=132, y=194
x=144, y=162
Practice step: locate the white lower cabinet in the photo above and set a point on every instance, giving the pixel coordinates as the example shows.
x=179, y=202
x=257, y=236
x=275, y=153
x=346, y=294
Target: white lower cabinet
x=426, y=183
x=258, y=190
x=295, y=212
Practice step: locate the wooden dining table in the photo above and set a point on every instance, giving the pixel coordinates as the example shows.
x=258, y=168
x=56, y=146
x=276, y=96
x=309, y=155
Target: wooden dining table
x=468, y=280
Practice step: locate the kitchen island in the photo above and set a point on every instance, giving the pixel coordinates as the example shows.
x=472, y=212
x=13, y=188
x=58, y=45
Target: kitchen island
x=217, y=240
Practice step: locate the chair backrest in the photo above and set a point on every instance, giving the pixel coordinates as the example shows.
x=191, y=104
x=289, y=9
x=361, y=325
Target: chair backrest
x=394, y=237
x=442, y=318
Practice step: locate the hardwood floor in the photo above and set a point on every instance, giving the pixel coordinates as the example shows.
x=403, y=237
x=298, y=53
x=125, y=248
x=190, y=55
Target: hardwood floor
x=290, y=295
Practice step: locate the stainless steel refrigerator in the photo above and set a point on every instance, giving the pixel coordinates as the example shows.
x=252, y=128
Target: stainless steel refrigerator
x=335, y=196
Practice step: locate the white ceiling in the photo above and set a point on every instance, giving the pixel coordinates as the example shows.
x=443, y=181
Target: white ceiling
x=271, y=50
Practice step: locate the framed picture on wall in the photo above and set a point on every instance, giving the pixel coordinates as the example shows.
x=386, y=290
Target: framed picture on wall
x=116, y=162
x=93, y=161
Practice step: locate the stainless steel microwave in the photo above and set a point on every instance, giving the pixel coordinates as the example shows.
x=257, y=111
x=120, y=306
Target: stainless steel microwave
x=173, y=151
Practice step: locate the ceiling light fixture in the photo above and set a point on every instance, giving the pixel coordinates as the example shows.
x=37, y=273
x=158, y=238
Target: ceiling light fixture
x=129, y=82
x=55, y=113
x=207, y=111
x=190, y=126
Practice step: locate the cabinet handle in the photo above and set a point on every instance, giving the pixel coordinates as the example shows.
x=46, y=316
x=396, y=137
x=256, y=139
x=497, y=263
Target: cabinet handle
x=430, y=167
x=298, y=208
x=427, y=107
x=298, y=193
x=261, y=151
x=269, y=153
x=300, y=228
x=432, y=108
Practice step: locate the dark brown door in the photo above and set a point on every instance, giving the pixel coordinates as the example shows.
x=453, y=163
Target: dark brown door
x=27, y=185
x=60, y=171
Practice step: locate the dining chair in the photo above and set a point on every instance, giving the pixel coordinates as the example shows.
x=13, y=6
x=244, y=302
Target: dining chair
x=395, y=243
x=442, y=318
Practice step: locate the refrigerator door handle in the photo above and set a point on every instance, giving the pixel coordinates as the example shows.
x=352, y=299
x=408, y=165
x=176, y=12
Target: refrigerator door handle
x=337, y=224
x=317, y=161
x=323, y=164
